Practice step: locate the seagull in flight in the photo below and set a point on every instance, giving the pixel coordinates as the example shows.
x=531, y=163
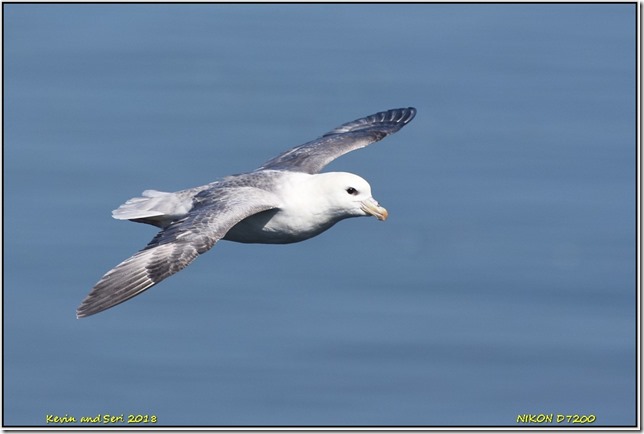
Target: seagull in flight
x=286, y=200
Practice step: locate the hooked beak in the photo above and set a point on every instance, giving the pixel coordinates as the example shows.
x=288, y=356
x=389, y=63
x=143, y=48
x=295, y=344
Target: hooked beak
x=370, y=206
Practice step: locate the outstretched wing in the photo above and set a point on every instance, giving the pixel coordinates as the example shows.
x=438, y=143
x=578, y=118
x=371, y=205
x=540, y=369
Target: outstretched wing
x=215, y=211
x=311, y=157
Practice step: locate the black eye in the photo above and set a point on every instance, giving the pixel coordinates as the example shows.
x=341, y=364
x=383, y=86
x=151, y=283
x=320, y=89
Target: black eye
x=352, y=191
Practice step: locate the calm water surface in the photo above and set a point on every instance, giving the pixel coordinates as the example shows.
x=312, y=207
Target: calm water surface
x=502, y=284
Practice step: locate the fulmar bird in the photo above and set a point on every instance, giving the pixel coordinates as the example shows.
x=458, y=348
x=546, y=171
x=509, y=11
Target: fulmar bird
x=286, y=200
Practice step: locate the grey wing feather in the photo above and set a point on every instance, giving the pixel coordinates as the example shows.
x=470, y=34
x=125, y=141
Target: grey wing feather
x=175, y=247
x=311, y=157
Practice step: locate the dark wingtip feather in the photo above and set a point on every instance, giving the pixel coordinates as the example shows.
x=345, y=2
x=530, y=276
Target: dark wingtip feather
x=135, y=275
x=396, y=118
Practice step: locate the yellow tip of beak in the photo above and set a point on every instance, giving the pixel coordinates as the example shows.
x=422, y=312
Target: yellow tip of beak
x=372, y=207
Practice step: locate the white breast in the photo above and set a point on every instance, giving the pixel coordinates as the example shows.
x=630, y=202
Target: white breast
x=305, y=213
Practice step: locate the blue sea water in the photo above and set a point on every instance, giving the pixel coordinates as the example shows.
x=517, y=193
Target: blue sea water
x=503, y=283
